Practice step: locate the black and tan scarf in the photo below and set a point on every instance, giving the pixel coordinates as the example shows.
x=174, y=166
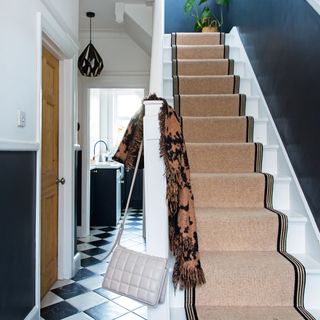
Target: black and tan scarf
x=182, y=221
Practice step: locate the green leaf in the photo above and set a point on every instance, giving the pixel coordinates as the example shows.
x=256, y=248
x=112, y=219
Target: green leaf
x=189, y=5
x=202, y=1
x=222, y=2
x=206, y=12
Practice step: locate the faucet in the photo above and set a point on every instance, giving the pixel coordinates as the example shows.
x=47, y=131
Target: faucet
x=100, y=155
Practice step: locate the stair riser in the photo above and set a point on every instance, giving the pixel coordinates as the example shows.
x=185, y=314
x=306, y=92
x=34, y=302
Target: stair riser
x=228, y=192
x=260, y=131
x=234, y=53
x=167, y=54
x=296, y=237
x=167, y=70
x=239, y=69
x=215, y=131
x=238, y=234
x=281, y=194
x=206, y=85
x=222, y=159
x=311, y=300
x=270, y=160
x=245, y=86
x=252, y=107
x=200, y=52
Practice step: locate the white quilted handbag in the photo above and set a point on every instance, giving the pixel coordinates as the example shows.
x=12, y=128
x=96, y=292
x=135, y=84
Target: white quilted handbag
x=133, y=274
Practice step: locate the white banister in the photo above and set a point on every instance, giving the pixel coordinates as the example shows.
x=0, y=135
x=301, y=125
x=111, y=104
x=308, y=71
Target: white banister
x=156, y=71
x=156, y=212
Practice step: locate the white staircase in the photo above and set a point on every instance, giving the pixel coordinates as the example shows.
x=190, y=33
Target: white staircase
x=137, y=19
x=303, y=234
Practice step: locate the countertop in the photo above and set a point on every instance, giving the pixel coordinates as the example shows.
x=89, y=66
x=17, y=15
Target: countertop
x=106, y=165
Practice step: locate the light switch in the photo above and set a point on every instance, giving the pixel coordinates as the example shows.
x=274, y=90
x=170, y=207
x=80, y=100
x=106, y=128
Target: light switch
x=21, y=119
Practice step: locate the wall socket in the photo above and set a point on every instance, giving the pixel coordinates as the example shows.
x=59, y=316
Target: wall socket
x=21, y=119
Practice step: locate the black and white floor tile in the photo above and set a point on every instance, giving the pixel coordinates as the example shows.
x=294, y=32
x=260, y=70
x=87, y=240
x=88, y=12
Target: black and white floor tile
x=82, y=297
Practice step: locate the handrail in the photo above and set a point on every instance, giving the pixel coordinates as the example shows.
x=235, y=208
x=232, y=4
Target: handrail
x=156, y=70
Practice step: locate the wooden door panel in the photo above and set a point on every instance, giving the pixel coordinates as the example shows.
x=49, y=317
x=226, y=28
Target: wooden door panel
x=49, y=273
x=49, y=174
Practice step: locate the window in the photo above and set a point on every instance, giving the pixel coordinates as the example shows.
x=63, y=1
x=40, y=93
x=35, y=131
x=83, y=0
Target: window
x=110, y=113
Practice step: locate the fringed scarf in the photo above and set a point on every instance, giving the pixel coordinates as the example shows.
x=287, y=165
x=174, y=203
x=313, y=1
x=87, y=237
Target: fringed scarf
x=183, y=237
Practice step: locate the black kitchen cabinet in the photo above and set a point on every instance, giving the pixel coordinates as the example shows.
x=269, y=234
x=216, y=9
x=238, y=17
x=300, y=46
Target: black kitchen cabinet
x=105, y=202
x=77, y=194
x=137, y=194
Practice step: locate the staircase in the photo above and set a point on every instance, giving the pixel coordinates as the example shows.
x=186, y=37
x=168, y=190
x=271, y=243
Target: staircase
x=231, y=139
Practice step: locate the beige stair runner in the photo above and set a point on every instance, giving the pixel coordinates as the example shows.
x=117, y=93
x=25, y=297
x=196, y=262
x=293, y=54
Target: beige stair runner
x=242, y=239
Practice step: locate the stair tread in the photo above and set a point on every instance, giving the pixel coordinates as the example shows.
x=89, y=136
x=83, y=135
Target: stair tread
x=247, y=313
x=242, y=278
x=207, y=214
x=221, y=157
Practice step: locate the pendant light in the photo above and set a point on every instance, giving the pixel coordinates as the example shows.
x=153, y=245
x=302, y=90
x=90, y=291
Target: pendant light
x=90, y=62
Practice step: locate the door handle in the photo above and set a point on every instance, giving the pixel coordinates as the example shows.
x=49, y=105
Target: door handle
x=62, y=181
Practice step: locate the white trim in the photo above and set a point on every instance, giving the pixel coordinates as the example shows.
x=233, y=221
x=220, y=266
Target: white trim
x=125, y=73
x=16, y=145
x=62, y=44
x=53, y=36
x=66, y=169
x=315, y=4
x=34, y=314
x=49, y=6
x=38, y=179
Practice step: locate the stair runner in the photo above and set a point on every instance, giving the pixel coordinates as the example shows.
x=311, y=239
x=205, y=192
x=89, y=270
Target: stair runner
x=242, y=239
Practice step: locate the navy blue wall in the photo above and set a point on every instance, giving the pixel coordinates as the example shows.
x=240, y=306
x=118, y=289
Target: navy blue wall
x=282, y=39
x=17, y=230
x=175, y=18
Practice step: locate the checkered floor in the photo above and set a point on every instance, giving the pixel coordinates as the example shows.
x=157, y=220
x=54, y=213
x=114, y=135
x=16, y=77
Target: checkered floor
x=82, y=298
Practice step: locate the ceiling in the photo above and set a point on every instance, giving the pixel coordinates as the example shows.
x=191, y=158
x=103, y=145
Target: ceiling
x=105, y=16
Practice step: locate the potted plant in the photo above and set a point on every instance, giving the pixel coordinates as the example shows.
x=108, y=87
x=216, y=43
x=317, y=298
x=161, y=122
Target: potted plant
x=205, y=19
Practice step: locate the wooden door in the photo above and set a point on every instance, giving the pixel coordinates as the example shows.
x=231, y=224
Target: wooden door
x=49, y=174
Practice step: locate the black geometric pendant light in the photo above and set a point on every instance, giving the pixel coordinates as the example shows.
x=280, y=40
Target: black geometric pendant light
x=90, y=62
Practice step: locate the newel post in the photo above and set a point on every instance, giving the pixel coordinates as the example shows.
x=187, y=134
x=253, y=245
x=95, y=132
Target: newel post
x=156, y=213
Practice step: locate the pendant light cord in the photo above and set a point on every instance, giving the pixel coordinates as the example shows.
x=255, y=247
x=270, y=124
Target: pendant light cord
x=90, y=30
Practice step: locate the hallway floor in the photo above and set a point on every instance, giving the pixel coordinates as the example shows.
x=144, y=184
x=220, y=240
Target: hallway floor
x=82, y=298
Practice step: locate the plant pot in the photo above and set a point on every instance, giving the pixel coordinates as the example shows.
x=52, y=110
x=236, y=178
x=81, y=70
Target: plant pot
x=210, y=29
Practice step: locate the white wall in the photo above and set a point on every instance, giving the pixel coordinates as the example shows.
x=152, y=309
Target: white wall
x=18, y=61
x=126, y=65
x=119, y=53
x=68, y=12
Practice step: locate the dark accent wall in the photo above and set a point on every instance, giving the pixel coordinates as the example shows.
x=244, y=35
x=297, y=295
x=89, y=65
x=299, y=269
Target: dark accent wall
x=17, y=230
x=175, y=18
x=282, y=40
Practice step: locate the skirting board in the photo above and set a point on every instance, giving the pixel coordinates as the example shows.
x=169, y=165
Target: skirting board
x=34, y=314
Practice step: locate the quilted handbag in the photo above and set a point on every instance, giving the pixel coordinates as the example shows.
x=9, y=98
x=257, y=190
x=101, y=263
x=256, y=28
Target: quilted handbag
x=133, y=274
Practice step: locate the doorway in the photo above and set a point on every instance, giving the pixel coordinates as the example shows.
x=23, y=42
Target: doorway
x=49, y=170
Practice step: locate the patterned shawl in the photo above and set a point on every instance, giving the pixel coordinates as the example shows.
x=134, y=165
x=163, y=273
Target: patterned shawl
x=182, y=221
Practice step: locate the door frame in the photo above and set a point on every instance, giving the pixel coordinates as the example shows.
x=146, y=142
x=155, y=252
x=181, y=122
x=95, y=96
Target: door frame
x=52, y=35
